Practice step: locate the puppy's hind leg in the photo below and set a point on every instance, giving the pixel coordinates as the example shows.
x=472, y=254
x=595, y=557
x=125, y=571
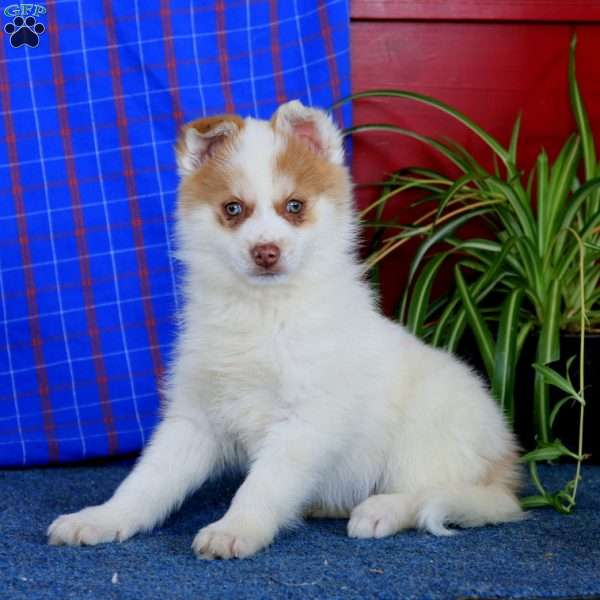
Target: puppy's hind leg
x=383, y=515
x=431, y=510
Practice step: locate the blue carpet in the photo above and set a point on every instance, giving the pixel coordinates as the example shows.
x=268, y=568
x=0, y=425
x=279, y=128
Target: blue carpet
x=546, y=556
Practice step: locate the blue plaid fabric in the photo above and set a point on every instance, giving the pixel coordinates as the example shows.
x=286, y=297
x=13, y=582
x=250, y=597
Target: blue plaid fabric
x=87, y=191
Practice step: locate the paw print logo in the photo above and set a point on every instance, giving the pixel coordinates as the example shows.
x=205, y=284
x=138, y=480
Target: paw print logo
x=24, y=32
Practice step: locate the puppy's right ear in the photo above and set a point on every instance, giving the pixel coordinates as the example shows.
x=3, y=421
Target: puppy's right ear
x=199, y=139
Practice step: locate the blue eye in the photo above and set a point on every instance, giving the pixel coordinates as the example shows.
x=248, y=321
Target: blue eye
x=294, y=207
x=234, y=209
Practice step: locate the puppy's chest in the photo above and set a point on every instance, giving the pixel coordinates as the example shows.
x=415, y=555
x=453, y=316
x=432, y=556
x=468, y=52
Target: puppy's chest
x=258, y=371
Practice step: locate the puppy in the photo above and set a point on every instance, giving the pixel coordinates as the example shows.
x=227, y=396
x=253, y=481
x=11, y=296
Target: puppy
x=284, y=366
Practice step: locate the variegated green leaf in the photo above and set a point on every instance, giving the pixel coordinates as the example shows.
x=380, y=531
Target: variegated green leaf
x=477, y=323
x=503, y=380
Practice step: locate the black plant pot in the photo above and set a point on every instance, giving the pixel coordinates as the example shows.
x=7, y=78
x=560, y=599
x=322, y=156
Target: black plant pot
x=566, y=426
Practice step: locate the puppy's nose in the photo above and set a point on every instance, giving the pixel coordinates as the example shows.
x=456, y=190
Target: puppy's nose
x=265, y=255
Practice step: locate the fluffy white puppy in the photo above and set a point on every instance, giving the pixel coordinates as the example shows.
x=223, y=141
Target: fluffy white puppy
x=285, y=367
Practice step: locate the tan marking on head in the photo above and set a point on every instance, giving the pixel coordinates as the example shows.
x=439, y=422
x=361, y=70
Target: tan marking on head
x=312, y=175
x=213, y=184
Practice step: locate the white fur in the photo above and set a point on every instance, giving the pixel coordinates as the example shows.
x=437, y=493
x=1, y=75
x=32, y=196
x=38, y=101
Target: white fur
x=329, y=407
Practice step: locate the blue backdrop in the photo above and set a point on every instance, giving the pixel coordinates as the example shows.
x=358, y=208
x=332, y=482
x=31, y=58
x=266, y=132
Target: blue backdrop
x=87, y=190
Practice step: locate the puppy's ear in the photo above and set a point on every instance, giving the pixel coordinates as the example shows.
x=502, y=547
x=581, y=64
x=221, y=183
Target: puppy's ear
x=199, y=140
x=313, y=126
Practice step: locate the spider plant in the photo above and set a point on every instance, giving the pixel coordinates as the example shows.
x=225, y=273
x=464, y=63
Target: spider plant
x=535, y=275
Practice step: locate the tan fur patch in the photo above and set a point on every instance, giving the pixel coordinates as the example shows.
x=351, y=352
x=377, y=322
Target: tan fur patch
x=505, y=472
x=212, y=184
x=312, y=175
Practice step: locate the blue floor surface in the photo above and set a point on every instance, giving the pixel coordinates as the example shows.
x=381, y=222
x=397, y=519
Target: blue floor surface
x=546, y=556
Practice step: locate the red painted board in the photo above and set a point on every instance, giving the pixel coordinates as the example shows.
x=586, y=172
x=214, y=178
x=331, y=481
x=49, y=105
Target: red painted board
x=478, y=10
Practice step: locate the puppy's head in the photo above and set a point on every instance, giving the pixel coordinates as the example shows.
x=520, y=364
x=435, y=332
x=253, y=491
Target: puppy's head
x=263, y=200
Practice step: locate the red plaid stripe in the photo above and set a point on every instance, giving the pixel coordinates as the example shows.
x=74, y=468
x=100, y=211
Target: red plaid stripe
x=80, y=233
x=129, y=174
x=331, y=60
x=329, y=49
x=276, y=53
x=165, y=14
x=32, y=307
x=223, y=57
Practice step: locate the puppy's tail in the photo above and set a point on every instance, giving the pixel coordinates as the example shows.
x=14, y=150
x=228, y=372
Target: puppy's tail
x=470, y=506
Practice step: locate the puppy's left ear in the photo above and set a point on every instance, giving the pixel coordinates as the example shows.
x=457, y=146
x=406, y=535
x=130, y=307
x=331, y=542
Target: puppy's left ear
x=313, y=126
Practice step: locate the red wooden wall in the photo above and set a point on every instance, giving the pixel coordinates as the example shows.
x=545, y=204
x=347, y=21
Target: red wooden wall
x=488, y=58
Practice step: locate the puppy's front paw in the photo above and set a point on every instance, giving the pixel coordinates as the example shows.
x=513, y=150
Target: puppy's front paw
x=230, y=538
x=90, y=526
